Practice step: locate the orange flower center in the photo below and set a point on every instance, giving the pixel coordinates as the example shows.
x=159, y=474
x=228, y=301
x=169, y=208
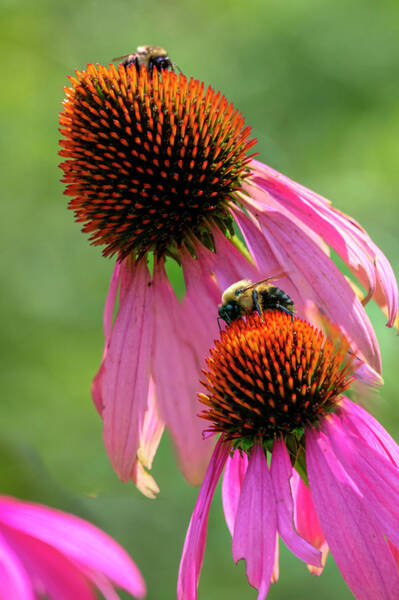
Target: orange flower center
x=153, y=160
x=273, y=375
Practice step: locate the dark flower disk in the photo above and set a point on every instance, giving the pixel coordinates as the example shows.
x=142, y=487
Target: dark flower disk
x=273, y=375
x=153, y=160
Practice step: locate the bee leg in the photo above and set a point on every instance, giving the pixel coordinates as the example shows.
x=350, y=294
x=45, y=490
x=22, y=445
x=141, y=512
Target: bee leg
x=255, y=298
x=220, y=329
x=286, y=311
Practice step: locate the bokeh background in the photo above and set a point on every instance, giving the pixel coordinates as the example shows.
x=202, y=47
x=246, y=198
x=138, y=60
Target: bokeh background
x=318, y=82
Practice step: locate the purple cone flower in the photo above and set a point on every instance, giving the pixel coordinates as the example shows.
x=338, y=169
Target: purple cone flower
x=275, y=390
x=157, y=166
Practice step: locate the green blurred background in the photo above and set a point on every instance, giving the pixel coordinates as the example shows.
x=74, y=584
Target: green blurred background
x=318, y=82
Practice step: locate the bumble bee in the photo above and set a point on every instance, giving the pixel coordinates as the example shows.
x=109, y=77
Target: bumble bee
x=152, y=57
x=245, y=297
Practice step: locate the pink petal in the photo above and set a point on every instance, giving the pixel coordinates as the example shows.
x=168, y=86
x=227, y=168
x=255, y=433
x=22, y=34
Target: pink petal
x=54, y=576
x=281, y=473
x=340, y=231
x=374, y=474
x=233, y=477
x=258, y=202
x=96, y=388
x=110, y=302
x=255, y=530
x=268, y=264
x=395, y=553
x=298, y=249
x=230, y=265
x=356, y=542
x=319, y=217
x=386, y=294
x=361, y=422
x=194, y=544
x=81, y=542
x=150, y=436
x=366, y=376
x=103, y=584
x=14, y=580
x=310, y=268
x=126, y=369
x=202, y=297
x=307, y=522
x=181, y=344
x=261, y=252
x=257, y=245
x=234, y=472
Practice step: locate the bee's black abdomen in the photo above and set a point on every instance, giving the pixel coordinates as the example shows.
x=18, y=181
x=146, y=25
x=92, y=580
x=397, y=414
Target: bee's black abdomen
x=274, y=298
x=131, y=60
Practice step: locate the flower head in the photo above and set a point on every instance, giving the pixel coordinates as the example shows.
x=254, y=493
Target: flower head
x=45, y=552
x=157, y=166
x=275, y=387
x=271, y=377
x=153, y=161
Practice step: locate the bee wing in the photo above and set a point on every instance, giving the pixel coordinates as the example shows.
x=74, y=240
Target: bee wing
x=120, y=57
x=271, y=278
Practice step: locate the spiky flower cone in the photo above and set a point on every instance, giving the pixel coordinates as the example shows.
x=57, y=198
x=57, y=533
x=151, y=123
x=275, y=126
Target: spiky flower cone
x=152, y=161
x=273, y=375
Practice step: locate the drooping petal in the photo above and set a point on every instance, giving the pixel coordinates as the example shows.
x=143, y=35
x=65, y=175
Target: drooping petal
x=297, y=200
x=104, y=585
x=194, y=544
x=353, y=535
x=14, y=580
x=180, y=347
x=373, y=472
x=269, y=265
x=313, y=273
x=126, y=369
x=201, y=298
x=367, y=376
x=281, y=473
x=233, y=476
x=255, y=530
x=364, y=424
x=260, y=169
x=258, y=202
x=325, y=284
x=386, y=294
x=150, y=436
x=265, y=259
x=340, y=231
x=53, y=574
x=96, y=387
x=395, y=552
x=80, y=541
x=307, y=522
x=230, y=265
x=110, y=302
